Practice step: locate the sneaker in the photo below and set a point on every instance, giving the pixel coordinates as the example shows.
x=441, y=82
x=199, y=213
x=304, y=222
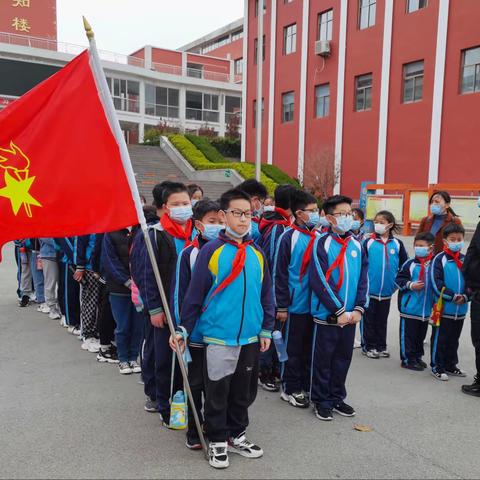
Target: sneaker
x=218, y=455
x=344, y=410
x=243, y=447
x=73, y=330
x=267, y=382
x=63, y=322
x=474, y=388
x=456, y=372
x=24, y=301
x=193, y=441
x=324, y=414
x=151, y=406
x=54, y=314
x=440, y=376
x=124, y=368
x=297, y=399
x=357, y=344
x=165, y=418
x=108, y=356
x=91, y=344
x=413, y=366
x=384, y=354
x=371, y=354
x=43, y=308
x=422, y=363
x=136, y=368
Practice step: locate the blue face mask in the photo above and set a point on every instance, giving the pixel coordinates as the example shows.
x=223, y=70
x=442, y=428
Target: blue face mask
x=313, y=219
x=456, y=246
x=436, y=209
x=422, y=252
x=194, y=201
x=212, y=231
x=344, y=224
x=181, y=214
x=356, y=225
x=324, y=222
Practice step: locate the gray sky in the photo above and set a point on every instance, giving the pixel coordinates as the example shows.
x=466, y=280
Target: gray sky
x=125, y=25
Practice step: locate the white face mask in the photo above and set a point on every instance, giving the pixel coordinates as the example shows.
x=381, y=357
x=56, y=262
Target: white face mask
x=380, y=228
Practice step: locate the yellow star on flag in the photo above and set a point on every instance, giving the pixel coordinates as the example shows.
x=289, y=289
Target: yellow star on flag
x=17, y=191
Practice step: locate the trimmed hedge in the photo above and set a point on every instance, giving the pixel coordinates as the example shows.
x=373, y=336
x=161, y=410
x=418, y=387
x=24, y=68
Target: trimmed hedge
x=210, y=152
x=228, y=147
x=279, y=176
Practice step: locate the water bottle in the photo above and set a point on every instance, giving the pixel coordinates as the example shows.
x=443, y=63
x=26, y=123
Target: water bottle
x=280, y=346
x=178, y=412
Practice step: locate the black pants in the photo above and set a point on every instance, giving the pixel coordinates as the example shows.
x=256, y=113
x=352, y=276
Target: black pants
x=298, y=336
x=89, y=306
x=375, y=325
x=227, y=399
x=444, y=345
x=196, y=381
x=412, y=335
x=69, y=295
x=105, y=322
x=475, y=315
x=332, y=356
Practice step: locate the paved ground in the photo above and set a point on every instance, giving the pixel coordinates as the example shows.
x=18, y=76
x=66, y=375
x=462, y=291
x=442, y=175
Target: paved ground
x=63, y=415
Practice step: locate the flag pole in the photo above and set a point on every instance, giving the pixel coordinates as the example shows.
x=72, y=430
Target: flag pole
x=106, y=98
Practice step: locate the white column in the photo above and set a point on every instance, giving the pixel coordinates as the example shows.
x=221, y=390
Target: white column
x=232, y=68
x=148, y=57
x=222, y=115
x=184, y=64
x=342, y=46
x=259, y=120
x=303, y=91
x=246, y=53
x=141, y=131
x=384, y=91
x=182, y=105
x=271, y=87
x=439, y=79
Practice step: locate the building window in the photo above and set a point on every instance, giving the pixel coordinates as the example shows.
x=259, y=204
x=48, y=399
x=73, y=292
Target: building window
x=161, y=101
x=363, y=92
x=413, y=82
x=233, y=108
x=255, y=112
x=264, y=7
x=290, y=39
x=194, y=70
x=237, y=35
x=238, y=66
x=414, y=5
x=325, y=25
x=255, y=50
x=202, y=107
x=287, y=1
x=471, y=70
x=367, y=12
x=126, y=95
x=322, y=100
x=288, y=106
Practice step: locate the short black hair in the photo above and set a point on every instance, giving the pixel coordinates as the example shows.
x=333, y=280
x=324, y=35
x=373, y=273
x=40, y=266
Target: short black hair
x=203, y=207
x=453, y=228
x=254, y=188
x=233, y=194
x=390, y=218
x=157, y=193
x=331, y=202
x=171, y=188
x=192, y=188
x=300, y=199
x=283, y=195
x=360, y=213
x=425, y=237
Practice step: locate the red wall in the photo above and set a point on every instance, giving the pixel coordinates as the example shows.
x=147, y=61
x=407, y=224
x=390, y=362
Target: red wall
x=41, y=16
x=235, y=49
x=169, y=57
x=210, y=64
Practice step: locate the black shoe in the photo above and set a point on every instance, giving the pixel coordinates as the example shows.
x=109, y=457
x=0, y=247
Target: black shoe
x=324, y=414
x=422, y=363
x=24, y=302
x=165, y=418
x=193, y=441
x=151, y=406
x=344, y=410
x=455, y=372
x=474, y=388
x=296, y=399
x=416, y=367
x=107, y=356
x=267, y=382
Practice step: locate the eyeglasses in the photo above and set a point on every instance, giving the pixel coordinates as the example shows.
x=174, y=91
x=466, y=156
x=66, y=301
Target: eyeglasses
x=240, y=213
x=342, y=214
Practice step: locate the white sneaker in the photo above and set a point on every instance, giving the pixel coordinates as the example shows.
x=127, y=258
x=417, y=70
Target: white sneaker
x=54, y=314
x=243, y=447
x=43, y=308
x=357, y=344
x=63, y=322
x=91, y=344
x=440, y=376
x=74, y=331
x=218, y=455
x=136, y=368
x=124, y=368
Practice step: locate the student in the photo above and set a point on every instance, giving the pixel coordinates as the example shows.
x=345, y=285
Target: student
x=415, y=302
x=25, y=274
x=448, y=282
x=208, y=224
x=292, y=296
x=48, y=255
x=169, y=238
x=339, y=283
x=230, y=299
x=196, y=193
x=358, y=222
x=258, y=193
x=386, y=254
x=269, y=202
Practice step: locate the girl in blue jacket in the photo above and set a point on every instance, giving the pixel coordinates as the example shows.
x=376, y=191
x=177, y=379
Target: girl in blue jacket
x=386, y=254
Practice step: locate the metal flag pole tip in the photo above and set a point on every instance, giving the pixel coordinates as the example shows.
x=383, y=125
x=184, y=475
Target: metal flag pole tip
x=88, y=28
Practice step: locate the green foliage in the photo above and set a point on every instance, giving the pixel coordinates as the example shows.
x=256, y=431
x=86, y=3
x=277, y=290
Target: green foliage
x=228, y=147
x=278, y=176
x=152, y=136
x=206, y=148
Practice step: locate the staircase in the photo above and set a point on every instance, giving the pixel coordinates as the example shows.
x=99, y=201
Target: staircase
x=151, y=166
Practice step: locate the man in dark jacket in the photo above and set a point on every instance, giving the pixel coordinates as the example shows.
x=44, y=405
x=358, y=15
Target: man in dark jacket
x=471, y=271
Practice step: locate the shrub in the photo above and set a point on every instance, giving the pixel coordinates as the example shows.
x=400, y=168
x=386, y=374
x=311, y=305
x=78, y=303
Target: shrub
x=206, y=131
x=228, y=147
x=152, y=136
x=206, y=148
x=279, y=176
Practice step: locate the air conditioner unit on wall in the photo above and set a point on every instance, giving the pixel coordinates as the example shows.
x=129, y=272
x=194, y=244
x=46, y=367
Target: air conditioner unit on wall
x=322, y=48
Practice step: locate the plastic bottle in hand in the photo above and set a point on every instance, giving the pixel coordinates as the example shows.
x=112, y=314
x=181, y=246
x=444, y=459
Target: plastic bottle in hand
x=178, y=412
x=280, y=346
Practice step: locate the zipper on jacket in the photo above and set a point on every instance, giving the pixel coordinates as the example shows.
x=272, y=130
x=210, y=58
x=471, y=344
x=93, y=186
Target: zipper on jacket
x=243, y=303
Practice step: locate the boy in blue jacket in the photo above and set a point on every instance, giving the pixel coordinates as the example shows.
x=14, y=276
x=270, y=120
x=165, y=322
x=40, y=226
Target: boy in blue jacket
x=415, y=302
x=207, y=223
x=339, y=283
x=292, y=296
x=448, y=282
x=230, y=298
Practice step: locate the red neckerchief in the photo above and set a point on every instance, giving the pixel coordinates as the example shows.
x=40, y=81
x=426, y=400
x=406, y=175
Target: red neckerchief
x=308, y=251
x=339, y=261
x=195, y=243
x=423, y=261
x=379, y=239
x=267, y=225
x=455, y=256
x=176, y=231
x=237, y=266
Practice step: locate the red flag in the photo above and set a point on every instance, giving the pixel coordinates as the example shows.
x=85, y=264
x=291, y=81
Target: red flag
x=61, y=173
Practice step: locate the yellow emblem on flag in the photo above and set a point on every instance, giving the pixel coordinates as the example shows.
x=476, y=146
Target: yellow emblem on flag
x=17, y=180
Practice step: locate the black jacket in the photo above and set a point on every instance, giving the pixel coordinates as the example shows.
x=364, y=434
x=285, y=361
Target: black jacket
x=115, y=261
x=471, y=265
